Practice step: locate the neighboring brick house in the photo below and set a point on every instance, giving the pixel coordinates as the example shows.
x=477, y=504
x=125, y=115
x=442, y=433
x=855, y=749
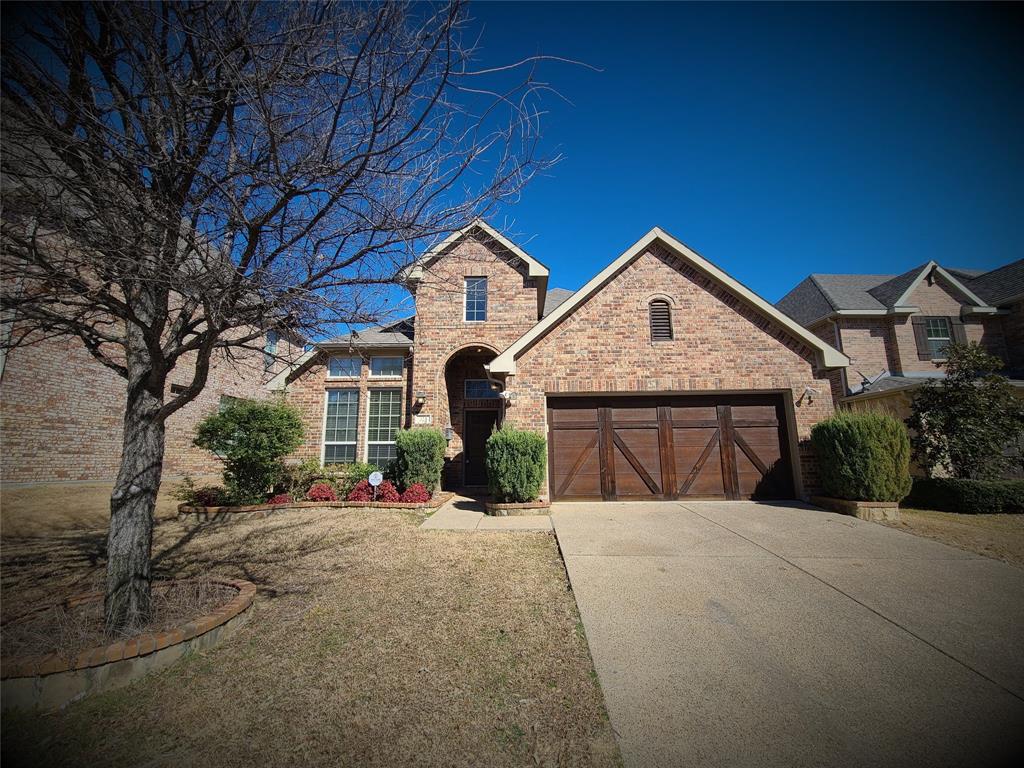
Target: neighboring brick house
x=61, y=411
x=662, y=377
x=894, y=327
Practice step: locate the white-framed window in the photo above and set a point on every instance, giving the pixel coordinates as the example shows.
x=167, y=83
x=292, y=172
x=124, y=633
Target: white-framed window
x=344, y=367
x=383, y=421
x=479, y=389
x=386, y=367
x=341, y=417
x=939, y=334
x=476, y=299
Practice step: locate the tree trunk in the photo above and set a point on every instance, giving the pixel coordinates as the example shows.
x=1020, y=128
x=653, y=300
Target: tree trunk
x=132, y=504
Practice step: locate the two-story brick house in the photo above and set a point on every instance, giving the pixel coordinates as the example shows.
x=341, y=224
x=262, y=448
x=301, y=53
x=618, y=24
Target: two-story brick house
x=894, y=328
x=662, y=377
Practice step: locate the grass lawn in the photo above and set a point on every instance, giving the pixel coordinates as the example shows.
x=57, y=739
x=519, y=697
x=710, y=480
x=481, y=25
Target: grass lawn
x=998, y=536
x=370, y=643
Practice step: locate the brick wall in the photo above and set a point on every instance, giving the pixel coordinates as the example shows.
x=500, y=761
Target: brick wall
x=442, y=331
x=61, y=412
x=1013, y=329
x=720, y=344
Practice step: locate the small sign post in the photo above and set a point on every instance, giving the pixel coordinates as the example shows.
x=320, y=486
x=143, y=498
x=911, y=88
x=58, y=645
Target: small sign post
x=375, y=479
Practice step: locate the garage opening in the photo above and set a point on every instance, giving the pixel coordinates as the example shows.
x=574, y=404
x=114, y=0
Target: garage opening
x=669, y=447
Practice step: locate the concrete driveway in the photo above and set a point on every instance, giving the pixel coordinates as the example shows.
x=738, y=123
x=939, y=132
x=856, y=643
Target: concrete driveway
x=735, y=633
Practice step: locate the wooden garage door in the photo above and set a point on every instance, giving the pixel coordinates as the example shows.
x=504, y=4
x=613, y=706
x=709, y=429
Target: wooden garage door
x=668, y=447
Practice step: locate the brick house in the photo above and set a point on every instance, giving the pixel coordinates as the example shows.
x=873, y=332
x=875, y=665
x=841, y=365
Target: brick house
x=894, y=327
x=662, y=377
x=61, y=411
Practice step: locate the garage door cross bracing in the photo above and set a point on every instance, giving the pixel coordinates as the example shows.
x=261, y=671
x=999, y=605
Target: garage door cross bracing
x=668, y=447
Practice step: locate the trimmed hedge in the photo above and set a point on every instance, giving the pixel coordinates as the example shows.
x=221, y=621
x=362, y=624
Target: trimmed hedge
x=419, y=458
x=863, y=456
x=968, y=497
x=515, y=465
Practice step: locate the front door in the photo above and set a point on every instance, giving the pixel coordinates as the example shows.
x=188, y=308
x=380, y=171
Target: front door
x=477, y=428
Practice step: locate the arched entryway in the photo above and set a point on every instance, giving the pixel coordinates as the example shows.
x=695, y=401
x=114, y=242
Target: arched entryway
x=474, y=409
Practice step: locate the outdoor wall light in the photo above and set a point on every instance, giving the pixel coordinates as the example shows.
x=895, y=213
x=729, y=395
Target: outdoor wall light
x=421, y=398
x=449, y=433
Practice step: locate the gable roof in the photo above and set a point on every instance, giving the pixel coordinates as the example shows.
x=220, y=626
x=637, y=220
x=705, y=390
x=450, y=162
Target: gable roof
x=506, y=361
x=1000, y=285
x=820, y=296
x=554, y=299
x=534, y=269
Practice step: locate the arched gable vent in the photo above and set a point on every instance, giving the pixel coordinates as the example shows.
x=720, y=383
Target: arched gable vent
x=661, y=320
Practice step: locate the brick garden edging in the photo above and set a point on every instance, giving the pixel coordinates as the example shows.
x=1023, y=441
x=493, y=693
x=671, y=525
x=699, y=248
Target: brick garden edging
x=524, y=508
x=865, y=510
x=257, y=511
x=50, y=681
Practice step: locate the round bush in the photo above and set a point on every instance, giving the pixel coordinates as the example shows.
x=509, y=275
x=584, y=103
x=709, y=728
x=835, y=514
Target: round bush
x=281, y=498
x=515, y=465
x=863, y=456
x=321, y=492
x=419, y=457
x=416, y=494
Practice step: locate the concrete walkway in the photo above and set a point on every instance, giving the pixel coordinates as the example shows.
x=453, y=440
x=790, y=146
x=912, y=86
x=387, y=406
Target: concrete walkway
x=465, y=514
x=742, y=634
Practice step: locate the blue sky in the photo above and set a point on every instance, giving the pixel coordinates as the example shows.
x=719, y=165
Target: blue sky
x=775, y=140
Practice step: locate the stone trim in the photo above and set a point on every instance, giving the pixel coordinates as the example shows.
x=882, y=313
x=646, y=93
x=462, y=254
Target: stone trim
x=209, y=513
x=52, y=663
x=865, y=510
x=525, y=508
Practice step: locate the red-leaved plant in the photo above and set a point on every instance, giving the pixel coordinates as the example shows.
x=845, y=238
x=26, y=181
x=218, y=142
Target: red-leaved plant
x=363, y=491
x=416, y=493
x=321, y=492
x=281, y=498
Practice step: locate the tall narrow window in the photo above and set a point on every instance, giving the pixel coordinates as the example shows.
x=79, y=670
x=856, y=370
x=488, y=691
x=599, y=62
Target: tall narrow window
x=476, y=299
x=340, y=426
x=939, y=336
x=383, y=423
x=661, y=320
x=270, y=350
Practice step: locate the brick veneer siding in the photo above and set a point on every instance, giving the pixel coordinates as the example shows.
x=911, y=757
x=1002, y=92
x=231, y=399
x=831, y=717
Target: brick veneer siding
x=61, y=412
x=308, y=392
x=1013, y=329
x=942, y=300
x=720, y=345
x=442, y=330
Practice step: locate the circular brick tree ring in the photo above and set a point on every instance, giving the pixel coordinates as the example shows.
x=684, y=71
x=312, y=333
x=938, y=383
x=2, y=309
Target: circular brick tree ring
x=51, y=681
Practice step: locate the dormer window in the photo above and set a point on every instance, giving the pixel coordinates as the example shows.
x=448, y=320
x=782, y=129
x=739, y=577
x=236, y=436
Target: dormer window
x=661, y=320
x=476, y=299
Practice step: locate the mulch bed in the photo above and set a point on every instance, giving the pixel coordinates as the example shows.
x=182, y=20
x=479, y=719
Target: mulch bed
x=69, y=628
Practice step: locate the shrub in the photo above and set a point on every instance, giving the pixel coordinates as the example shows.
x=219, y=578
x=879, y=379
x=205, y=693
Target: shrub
x=515, y=464
x=964, y=423
x=299, y=478
x=281, y=498
x=386, y=491
x=968, y=497
x=204, y=496
x=344, y=477
x=362, y=491
x=416, y=494
x=420, y=457
x=321, y=492
x=863, y=456
x=251, y=438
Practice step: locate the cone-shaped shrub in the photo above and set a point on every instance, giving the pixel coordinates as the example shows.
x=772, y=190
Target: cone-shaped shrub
x=864, y=456
x=515, y=465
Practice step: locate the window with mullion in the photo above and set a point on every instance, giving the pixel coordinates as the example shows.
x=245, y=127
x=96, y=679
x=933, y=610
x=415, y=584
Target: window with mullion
x=476, y=299
x=340, y=426
x=939, y=334
x=383, y=422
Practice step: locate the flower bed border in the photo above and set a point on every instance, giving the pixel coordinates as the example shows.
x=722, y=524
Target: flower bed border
x=262, y=510
x=874, y=511
x=51, y=680
x=496, y=509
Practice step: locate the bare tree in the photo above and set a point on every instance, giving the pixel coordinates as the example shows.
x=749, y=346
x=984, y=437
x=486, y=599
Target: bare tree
x=179, y=178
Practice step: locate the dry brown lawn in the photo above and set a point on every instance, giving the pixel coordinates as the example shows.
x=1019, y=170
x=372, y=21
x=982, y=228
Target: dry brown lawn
x=47, y=508
x=997, y=536
x=371, y=643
